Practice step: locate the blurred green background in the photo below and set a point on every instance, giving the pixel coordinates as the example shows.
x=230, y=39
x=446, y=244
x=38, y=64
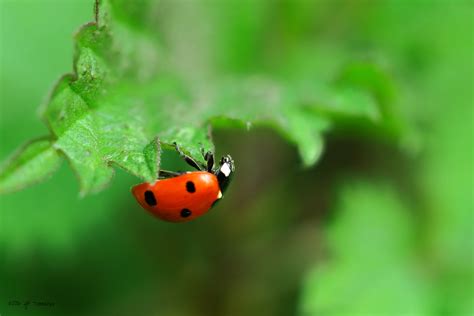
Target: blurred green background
x=380, y=226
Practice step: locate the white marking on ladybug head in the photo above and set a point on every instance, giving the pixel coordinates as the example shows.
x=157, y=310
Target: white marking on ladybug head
x=225, y=169
x=219, y=195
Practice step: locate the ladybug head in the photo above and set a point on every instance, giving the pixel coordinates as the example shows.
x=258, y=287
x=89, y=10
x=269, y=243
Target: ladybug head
x=224, y=171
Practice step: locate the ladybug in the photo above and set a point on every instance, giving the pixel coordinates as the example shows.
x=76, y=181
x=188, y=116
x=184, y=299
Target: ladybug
x=184, y=196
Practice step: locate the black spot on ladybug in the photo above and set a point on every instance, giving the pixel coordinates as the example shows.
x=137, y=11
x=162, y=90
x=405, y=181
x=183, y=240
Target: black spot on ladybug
x=150, y=198
x=190, y=187
x=185, y=212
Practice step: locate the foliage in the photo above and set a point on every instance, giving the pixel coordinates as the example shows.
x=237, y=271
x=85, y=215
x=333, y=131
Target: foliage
x=374, y=228
x=123, y=103
x=34, y=162
x=381, y=238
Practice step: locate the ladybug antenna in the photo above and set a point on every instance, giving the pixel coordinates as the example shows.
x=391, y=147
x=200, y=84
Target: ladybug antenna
x=225, y=171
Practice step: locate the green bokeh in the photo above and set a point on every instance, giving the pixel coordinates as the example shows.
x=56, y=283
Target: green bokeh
x=381, y=226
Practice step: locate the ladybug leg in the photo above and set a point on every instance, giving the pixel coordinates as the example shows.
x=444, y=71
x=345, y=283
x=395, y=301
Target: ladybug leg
x=190, y=161
x=209, y=157
x=164, y=174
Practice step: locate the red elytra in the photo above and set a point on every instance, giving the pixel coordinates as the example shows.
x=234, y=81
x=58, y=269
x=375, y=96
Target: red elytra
x=181, y=198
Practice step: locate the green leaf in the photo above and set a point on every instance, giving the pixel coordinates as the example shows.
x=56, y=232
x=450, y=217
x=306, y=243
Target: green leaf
x=33, y=163
x=372, y=266
x=127, y=92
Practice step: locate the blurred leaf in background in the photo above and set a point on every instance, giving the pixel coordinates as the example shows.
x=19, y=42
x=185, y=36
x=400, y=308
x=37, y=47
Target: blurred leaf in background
x=381, y=226
x=372, y=269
